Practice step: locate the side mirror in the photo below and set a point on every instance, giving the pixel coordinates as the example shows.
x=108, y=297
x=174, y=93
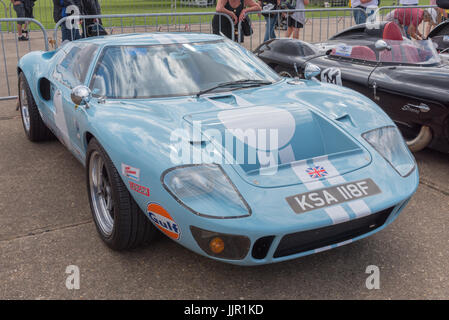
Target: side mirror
x=80, y=95
x=311, y=70
x=381, y=45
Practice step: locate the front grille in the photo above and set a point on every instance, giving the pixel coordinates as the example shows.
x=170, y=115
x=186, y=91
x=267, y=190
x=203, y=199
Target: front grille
x=317, y=238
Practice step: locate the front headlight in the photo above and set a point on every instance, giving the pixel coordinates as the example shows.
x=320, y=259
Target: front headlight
x=205, y=190
x=389, y=143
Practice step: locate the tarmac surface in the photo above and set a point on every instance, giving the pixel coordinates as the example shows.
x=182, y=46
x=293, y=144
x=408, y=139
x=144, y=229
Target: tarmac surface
x=46, y=225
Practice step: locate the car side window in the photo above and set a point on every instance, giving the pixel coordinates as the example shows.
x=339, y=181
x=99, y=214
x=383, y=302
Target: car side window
x=72, y=70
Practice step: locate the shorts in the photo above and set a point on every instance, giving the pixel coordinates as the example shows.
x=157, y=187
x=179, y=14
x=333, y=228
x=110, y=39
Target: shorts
x=23, y=12
x=295, y=24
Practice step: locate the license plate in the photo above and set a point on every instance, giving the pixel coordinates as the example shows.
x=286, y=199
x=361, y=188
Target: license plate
x=334, y=195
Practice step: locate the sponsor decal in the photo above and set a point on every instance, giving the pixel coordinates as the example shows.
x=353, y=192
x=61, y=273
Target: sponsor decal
x=416, y=108
x=342, y=50
x=446, y=39
x=131, y=172
x=163, y=221
x=139, y=189
x=334, y=195
x=316, y=172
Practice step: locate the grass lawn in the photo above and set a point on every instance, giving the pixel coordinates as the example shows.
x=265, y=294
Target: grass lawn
x=43, y=12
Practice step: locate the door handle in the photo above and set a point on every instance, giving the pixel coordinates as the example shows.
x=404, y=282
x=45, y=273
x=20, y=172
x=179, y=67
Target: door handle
x=375, y=91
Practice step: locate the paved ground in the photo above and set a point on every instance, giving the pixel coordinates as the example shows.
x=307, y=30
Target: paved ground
x=46, y=226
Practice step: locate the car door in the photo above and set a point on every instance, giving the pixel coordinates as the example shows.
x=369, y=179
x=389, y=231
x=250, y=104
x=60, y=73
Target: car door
x=70, y=72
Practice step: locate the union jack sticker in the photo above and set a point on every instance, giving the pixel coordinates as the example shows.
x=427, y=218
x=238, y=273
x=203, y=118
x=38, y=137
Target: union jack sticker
x=316, y=172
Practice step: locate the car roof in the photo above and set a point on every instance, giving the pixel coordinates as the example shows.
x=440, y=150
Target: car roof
x=151, y=38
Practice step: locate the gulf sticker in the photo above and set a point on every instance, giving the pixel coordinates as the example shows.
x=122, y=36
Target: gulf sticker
x=163, y=220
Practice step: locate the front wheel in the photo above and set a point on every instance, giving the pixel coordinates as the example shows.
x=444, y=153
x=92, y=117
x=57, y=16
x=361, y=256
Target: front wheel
x=417, y=137
x=35, y=128
x=119, y=220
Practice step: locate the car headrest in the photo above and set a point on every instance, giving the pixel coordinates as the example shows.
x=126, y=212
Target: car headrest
x=363, y=53
x=392, y=32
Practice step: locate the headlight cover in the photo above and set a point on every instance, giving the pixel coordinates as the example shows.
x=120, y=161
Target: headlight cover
x=205, y=190
x=389, y=143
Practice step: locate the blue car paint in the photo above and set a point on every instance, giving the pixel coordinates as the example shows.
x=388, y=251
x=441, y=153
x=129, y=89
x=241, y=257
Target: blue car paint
x=137, y=133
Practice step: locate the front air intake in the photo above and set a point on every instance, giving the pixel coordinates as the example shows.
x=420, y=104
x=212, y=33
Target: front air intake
x=318, y=238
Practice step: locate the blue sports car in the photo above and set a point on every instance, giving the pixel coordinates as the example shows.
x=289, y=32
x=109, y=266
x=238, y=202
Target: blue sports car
x=194, y=136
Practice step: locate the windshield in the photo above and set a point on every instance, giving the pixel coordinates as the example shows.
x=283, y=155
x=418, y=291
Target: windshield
x=136, y=72
x=402, y=51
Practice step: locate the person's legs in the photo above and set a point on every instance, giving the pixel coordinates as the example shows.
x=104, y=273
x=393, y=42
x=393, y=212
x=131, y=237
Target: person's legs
x=19, y=30
x=359, y=16
x=297, y=27
x=69, y=34
x=20, y=12
x=269, y=28
x=273, y=26
x=290, y=26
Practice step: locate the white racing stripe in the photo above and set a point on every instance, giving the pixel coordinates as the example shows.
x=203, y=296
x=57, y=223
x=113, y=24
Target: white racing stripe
x=286, y=155
x=337, y=213
x=359, y=207
x=300, y=168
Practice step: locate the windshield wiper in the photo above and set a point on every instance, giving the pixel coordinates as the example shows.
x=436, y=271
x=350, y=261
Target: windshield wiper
x=243, y=82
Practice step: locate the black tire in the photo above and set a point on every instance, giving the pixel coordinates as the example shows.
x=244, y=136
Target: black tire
x=131, y=228
x=35, y=129
x=285, y=72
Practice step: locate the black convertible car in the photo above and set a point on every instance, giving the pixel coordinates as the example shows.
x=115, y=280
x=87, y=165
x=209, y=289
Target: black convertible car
x=406, y=78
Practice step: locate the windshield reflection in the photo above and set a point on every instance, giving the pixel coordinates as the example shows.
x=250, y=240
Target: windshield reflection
x=401, y=51
x=136, y=72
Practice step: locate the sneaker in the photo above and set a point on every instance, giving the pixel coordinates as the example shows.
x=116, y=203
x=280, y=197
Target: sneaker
x=23, y=38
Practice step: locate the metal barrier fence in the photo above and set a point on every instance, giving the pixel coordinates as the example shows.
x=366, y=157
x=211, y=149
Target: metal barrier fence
x=317, y=24
x=12, y=51
x=149, y=22
x=320, y=24
x=43, y=9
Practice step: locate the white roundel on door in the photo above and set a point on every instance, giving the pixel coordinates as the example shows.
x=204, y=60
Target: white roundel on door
x=60, y=121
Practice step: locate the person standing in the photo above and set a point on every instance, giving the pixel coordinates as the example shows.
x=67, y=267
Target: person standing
x=23, y=9
x=270, y=19
x=63, y=8
x=361, y=9
x=237, y=10
x=409, y=19
x=90, y=8
x=297, y=20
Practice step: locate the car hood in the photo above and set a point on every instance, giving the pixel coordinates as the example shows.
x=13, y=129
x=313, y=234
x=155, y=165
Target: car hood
x=262, y=143
x=312, y=120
